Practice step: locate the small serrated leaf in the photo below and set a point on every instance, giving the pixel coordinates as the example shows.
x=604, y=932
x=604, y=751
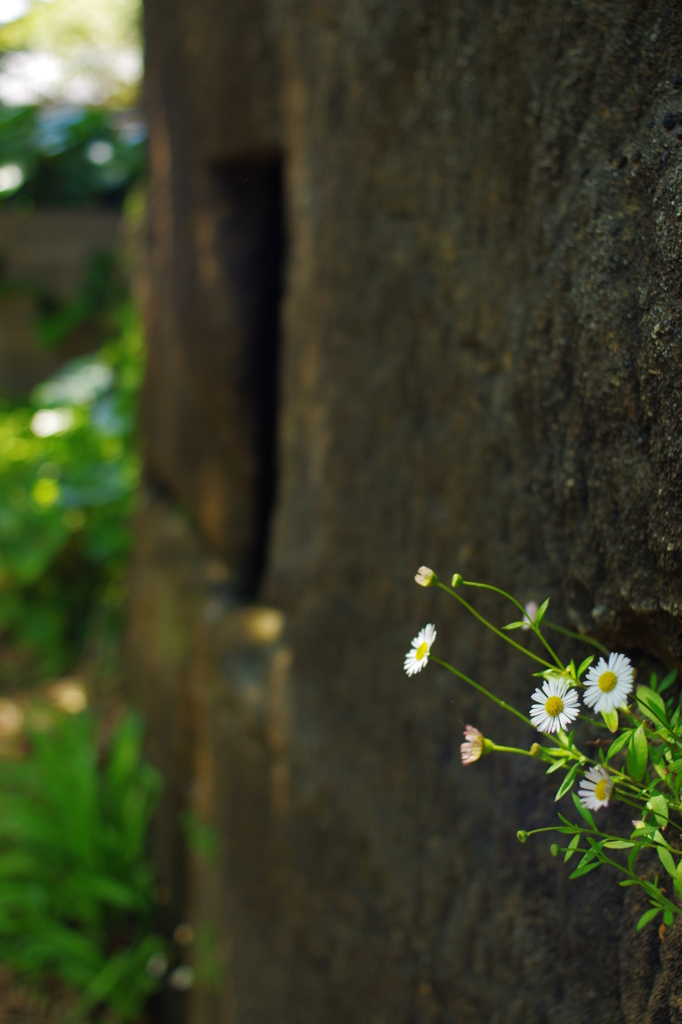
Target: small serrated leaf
x=668, y=680
x=541, y=612
x=571, y=846
x=667, y=862
x=659, y=805
x=649, y=915
x=571, y=776
x=584, y=870
x=586, y=814
x=618, y=744
x=584, y=665
x=651, y=705
x=638, y=753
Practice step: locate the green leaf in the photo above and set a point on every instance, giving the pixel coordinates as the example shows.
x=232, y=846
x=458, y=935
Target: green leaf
x=571, y=846
x=632, y=856
x=515, y=625
x=660, y=766
x=586, y=814
x=618, y=744
x=638, y=754
x=668, y=681
x=651, y=705
x=579, y=871
x=653, y=681
x=660, y=841
x=559, y=763
x=584, y=665
x=646, y=917
x=618, y=844
x=611, y=719
x=668, y=916
x=667, y=862
x=568, y=782
x=629, y=881
x=541, y=612
x=659, y=805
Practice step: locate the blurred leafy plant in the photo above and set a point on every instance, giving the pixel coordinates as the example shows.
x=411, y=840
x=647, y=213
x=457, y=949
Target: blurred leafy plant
x=68, y=156
x=76, y=882
x=68, y=475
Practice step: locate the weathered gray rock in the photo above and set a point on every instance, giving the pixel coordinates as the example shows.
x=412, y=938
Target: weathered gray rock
x=480, y=370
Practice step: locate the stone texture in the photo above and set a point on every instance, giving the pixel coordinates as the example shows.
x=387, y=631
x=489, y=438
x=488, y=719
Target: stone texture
x=480, y=370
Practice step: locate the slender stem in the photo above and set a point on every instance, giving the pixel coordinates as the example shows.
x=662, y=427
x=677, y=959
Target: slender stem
x=576, y=636
x=481, y=689
x=531, y=624
x=496, y=590
x=509, y=750
x=498, y=632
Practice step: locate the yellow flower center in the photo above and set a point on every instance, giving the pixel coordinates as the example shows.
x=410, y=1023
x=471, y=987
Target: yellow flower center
x=600, y=790
x=607, y=681
x=554, y=706
x=421, y=651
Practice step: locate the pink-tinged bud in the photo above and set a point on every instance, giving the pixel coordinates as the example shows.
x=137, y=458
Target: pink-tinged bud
x=425, y=577
x=472, y=748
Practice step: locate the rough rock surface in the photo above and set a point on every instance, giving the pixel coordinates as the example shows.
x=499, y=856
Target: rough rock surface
x=479, y=368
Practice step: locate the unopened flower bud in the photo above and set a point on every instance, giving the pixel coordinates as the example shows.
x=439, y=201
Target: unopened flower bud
x=522, y=836
x=554, y=850
x=456, y=580
x=536, y=750
x=425, y=577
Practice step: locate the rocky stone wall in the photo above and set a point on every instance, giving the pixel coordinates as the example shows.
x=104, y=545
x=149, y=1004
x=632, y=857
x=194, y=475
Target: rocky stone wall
x=475, y=363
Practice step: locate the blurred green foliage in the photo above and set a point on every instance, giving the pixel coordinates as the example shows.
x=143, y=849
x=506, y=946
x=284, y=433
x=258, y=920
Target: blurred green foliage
x=76, y=882
x=70, y=156
x=68, y=475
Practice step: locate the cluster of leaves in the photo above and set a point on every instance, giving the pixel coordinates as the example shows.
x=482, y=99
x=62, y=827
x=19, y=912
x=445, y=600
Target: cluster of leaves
x=647, y=738
x=53, y=148
x=652, y=743
x=68, y=475
x=76, y=882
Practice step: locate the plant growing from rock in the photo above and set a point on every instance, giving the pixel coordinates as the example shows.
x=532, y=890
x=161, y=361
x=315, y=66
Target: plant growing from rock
x=640, y=764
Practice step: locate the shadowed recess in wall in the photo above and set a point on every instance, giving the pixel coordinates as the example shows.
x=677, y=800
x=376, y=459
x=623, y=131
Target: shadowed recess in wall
x=251, y=248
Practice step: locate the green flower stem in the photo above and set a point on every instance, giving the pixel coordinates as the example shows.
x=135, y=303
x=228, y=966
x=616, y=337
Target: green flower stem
x=531, y=624
x=508, y=750
x=577, y=636
x=496, y=590
x=481, y=689
x=494, y=629
x=625, y=800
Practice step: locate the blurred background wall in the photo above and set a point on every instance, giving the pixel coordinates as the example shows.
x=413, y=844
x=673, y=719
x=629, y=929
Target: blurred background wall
x=413, y=296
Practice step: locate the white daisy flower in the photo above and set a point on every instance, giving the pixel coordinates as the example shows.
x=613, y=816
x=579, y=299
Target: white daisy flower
x=596, y=789
x=472, y=748
x=530, y=614
x=607, y=684
x=421, y=647
x=425, y=577
x=555, y=706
